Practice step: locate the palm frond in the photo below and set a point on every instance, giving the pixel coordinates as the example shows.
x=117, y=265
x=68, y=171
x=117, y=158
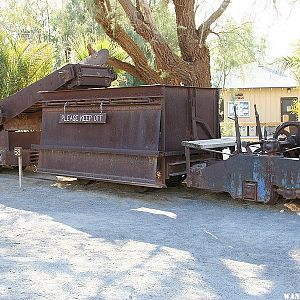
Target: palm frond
x=22, y=63
x=291, y=62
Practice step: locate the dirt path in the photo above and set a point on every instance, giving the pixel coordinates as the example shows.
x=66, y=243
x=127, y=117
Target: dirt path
x=106, y=241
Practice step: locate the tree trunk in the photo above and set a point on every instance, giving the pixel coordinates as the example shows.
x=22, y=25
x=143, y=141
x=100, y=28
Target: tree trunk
x=191, y=68
x=201, y=75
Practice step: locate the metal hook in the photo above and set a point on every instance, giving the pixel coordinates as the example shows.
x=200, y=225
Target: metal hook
x=101, y=107
x=65, y=107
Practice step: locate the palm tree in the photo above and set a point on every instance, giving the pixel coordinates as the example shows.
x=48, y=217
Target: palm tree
x=293, y=62
x=22, y=63
x=81, y=46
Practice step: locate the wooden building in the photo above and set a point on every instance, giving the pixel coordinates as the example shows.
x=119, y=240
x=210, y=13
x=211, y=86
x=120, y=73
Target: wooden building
x=273, y=93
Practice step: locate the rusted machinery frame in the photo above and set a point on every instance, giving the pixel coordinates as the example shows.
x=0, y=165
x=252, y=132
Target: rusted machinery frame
x=141, y=141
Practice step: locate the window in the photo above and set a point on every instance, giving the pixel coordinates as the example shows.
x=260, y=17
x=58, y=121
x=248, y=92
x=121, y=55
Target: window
x=242, y=109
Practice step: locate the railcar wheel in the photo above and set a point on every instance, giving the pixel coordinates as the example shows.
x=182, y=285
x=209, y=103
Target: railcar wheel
x=142, y=189
x=84, y=182
x=17, y=167
x=289, y=132
x=287, y=129
x=274, y=196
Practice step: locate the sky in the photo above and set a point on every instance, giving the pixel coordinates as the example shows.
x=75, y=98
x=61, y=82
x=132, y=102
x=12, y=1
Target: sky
x=280, y=24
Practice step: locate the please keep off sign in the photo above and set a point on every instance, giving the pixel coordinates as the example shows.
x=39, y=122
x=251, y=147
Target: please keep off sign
x=83, y=118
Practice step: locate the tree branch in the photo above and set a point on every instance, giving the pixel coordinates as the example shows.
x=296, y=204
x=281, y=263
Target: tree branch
x=105, y=18
x=141, y=19
x=204, y=28
x=171, y=68
x=186, y=28
x=127, y=67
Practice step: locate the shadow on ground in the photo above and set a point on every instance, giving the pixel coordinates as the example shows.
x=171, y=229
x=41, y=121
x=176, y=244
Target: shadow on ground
x=107, y=241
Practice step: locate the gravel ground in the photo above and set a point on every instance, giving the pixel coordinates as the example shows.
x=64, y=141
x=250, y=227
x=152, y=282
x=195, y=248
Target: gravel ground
x=106, y=241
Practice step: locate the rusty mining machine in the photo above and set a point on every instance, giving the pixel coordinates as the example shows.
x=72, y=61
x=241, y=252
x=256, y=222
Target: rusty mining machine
x=133, y=135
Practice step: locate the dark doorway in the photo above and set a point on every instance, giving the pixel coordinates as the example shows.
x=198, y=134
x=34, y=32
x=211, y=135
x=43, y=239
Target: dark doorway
x=286, y=112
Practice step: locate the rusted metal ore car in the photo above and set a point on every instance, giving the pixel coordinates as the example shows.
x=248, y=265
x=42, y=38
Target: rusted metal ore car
x=21, y=113
x=261, y=172
x=129, y=135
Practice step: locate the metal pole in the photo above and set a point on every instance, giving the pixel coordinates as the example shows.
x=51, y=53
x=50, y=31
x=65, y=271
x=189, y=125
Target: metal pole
x=237, y=132
x=20, y=171
x=18, y=153
x=258, y=126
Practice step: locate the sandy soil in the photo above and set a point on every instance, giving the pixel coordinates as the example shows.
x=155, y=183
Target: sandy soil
x=106, y=241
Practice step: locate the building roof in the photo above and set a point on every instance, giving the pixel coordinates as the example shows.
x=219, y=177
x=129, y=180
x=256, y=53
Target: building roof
x=254, y=75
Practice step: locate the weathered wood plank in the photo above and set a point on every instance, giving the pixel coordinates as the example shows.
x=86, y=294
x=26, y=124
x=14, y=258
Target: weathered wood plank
x=210, y=144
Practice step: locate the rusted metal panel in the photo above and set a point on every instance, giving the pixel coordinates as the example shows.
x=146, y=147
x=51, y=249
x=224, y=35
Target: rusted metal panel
x=140, y=141
x=23, y=139
x=121, y=131
x=114, y=151
x=109, y=166
x=4, y=140
x=206, y=118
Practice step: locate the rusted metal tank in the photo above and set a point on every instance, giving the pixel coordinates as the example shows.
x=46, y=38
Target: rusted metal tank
x=21, y=113
x=129, y=135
